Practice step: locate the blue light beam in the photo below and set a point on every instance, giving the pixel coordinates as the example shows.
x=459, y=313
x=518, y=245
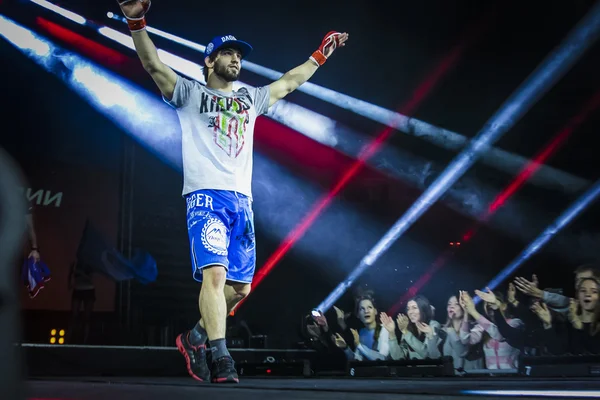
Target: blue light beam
x=141, y=114
x=530, y=91
x=61, y=11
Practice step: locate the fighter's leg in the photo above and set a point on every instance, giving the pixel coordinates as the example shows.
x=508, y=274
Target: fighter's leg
x=241, y=255
x=209, y=238
x=213, y=303
x=234, y=293
x=239, y=276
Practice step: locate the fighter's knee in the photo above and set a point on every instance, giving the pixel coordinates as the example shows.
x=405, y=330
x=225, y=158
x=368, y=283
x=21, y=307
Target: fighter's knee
x=243, y=291
x=214, y=276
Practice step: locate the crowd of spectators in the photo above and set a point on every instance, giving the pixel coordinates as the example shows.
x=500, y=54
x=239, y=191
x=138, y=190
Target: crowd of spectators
x=524, y=319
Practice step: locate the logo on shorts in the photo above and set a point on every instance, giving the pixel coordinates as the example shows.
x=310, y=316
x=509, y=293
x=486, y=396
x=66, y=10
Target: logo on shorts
x=214, y=236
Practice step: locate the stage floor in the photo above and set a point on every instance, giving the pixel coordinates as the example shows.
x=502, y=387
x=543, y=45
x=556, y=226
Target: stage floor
x=283, y=388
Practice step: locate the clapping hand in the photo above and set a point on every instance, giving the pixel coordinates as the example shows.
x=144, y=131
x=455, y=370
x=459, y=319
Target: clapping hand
x=488, y=296
x=402, y=321
x=424, y=328
x=339, y=341
x=511, y=294
x=356, y=337
x=530, y=288
x=573, y=316
x=388, y=323
x=341, y=317
x=541, y=310
x=466, y=302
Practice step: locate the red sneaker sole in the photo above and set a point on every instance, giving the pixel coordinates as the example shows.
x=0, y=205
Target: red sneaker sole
x=226, y=380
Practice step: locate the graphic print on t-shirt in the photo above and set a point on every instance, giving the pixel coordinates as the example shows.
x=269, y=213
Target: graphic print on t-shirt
x=230, y=124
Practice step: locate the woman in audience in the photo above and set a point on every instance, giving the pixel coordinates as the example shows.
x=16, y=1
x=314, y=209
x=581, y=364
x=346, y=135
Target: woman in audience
x=465, y=356
x=371, y=342
x=582, y=333
x=419, y=331
x=498, y=353
x=526, y=340
x=584, y=315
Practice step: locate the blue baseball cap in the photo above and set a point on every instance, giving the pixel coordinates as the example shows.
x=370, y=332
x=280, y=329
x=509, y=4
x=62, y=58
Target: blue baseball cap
x=227, y=40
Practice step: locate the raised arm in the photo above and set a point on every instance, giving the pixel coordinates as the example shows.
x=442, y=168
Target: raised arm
x=470, y=336
x=292, y=79
x=514, y=335
x=164, y=77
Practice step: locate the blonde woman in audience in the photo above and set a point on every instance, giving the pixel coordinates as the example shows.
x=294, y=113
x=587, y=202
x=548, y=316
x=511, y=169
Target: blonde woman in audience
x=581, y=333
x=498, y=353
x=584, y=314
x=419, y=332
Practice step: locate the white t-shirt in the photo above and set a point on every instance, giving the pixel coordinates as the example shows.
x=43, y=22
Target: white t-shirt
x=217, y=135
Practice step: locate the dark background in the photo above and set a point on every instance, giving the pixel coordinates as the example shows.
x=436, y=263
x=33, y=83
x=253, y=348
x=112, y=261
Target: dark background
x=393, y=46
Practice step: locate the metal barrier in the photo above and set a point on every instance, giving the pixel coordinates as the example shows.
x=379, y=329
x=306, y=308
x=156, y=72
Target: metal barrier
x=12, y=229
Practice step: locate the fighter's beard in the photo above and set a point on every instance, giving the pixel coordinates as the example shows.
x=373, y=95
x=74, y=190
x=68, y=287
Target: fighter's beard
x=227, y=74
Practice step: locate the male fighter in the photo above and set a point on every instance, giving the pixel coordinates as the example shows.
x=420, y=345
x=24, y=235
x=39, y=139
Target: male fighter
x=217, y=124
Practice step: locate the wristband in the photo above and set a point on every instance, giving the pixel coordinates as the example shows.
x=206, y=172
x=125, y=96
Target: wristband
x=318, y=57
x=136, y=25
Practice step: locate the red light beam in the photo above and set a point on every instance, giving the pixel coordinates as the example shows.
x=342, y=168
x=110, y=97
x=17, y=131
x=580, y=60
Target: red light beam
x=417, y=98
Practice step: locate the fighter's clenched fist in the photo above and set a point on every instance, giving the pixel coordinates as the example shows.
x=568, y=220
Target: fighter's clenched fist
x=135, y=12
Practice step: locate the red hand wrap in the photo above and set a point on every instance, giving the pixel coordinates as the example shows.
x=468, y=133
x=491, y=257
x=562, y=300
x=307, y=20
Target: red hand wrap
x=329, y=43
x=136, y=22
x=136, y=25
x=318, y=57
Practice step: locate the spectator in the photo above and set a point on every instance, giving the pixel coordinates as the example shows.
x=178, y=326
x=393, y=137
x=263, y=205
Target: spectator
x=498, y=353
x=554, y=335
x=319, y=336
x=581, y=333
x=584, y=315
x=526, y=340
x=419, y=332
x=371, y=342
x=465, y=356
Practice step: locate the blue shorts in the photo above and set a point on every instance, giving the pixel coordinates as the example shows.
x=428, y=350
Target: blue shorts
x=221, y=232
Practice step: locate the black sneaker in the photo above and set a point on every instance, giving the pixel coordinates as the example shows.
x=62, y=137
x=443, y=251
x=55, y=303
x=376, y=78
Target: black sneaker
x=195, y=358
x=223, y=371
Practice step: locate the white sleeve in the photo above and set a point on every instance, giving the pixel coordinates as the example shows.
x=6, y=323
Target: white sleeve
x=260, y=96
